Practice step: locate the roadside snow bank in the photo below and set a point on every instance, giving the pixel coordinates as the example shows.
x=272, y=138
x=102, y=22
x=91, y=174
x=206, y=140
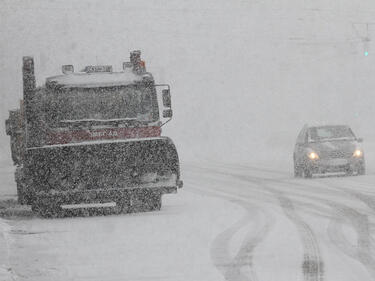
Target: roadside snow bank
x=8, y=189
x=5, y=269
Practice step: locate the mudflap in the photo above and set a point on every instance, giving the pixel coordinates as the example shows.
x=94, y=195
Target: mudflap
x=96, y=202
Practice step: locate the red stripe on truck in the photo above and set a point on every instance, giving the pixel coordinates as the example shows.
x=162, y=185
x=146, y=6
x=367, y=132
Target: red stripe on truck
x=73, y=136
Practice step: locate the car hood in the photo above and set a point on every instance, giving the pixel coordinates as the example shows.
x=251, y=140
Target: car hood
x=334, y=148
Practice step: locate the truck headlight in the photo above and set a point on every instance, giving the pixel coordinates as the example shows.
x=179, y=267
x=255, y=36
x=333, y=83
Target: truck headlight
x=313, y=155
x=357, y=153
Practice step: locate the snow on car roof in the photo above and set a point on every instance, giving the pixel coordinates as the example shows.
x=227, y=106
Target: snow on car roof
x=314, y=125
x=96, y=79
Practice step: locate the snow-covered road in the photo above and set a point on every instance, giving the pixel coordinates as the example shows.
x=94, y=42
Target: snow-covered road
x=230, y=222
x=297, y=229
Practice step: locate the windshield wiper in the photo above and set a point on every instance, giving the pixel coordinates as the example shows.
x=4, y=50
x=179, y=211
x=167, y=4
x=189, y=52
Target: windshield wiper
x=334, y=139
x=93, y=122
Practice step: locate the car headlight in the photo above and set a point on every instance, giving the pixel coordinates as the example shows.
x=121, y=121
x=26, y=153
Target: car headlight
x=357, y=153
x=313, y=155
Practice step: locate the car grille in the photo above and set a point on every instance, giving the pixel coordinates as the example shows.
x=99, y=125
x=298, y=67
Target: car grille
x=335, y=154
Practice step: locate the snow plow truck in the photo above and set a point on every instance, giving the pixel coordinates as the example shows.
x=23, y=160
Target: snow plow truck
x=90, y=142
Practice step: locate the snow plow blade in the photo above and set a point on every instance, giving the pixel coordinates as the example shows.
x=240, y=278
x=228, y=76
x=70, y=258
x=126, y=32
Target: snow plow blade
x=119, y=176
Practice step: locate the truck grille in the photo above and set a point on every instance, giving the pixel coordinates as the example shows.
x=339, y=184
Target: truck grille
x=335, y=154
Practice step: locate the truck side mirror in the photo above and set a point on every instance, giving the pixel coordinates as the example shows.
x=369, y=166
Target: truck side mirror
x=8, y=130
x=167, y=113
x=166, y=98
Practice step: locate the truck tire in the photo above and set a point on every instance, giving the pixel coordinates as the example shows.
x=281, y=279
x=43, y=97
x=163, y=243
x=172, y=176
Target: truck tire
x=45, y=210
x=23, y=197
x=145, y=200
x=155, y=204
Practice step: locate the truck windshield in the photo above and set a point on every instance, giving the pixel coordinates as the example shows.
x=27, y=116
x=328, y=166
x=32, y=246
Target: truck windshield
x=330, y=133
x=71, y=105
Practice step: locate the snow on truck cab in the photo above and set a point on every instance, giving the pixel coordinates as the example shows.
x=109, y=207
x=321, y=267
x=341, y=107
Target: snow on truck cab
x=92, y=141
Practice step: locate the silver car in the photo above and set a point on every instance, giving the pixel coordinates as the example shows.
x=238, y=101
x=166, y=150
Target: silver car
x=324, y=149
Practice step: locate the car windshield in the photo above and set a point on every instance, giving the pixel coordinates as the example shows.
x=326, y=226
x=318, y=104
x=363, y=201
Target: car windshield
x=102, y=104
x=330, y=132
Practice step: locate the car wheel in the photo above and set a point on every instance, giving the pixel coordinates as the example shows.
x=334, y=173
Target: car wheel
x=307, y=173
x=297, y=171
x=362, y=169
x=349, y=172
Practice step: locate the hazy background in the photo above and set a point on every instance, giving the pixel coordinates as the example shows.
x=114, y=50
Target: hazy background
x=245, y=75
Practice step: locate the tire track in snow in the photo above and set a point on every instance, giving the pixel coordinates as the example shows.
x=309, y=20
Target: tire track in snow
x=234, y=268
x=362, y=250
x=228, y=266
x=368, y=200
x=312, y=265
x=239, y=267
x=338, y=214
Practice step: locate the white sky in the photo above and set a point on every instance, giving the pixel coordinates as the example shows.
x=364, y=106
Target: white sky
x=245, y=74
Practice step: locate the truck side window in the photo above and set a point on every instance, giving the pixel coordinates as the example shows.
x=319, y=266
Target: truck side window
x=301, y=136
